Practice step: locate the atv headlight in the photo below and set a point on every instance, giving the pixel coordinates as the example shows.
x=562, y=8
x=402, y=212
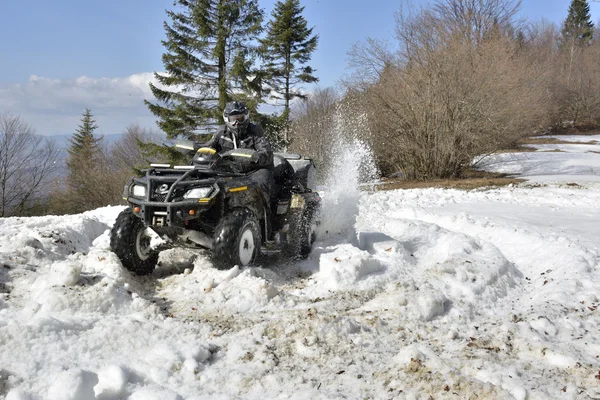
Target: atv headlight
x=197, y=193
x=138, y=191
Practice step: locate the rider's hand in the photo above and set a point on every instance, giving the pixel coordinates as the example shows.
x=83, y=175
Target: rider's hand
x=259, y=157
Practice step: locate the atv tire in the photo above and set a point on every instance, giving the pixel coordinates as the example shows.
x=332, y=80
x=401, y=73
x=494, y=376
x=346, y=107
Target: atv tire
x=130, y=243
x=236, y=240
x=302, y=235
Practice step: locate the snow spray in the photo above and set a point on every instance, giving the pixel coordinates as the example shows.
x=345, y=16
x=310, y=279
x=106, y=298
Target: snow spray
x=351, y=163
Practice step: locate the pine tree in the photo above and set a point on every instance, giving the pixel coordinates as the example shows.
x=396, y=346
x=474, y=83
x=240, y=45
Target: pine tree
x=84, y=144
x=287, y=49
x=209, y=58
x=578, y=28
x=85, y=157
x=274, y=125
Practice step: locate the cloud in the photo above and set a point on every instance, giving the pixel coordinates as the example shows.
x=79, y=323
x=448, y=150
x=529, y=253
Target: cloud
x=54, y=106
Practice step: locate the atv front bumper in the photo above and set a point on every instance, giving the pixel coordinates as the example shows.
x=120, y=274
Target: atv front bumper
x=176, y=214
x=164, y=211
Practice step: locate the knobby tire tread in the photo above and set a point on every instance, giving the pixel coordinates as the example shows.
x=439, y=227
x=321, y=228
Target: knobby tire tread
x=225, y=243
x=122, y=242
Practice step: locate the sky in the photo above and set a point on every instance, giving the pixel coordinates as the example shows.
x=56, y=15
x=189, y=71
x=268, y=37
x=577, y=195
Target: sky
x=57, y=58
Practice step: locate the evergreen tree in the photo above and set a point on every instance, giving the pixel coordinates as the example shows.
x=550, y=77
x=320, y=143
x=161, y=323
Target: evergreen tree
x=209, y=58
x=287, y=49
x=275, y=126
x=84, y=145
x=85, y=159
x=578, y=28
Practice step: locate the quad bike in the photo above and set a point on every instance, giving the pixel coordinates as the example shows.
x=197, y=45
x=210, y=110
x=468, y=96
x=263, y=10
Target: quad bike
x=214, y=204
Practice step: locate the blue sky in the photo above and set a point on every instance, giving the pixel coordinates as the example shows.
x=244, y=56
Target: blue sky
x=61, y=56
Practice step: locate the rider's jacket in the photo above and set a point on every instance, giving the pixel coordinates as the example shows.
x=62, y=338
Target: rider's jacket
x=252, y=138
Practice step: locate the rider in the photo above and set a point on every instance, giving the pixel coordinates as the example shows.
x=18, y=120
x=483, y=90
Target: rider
x=239, y=133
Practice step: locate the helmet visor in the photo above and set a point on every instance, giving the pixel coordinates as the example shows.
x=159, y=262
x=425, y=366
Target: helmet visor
x=235, y=119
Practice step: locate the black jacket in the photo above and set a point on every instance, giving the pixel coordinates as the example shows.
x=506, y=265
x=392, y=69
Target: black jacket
x=253, y=138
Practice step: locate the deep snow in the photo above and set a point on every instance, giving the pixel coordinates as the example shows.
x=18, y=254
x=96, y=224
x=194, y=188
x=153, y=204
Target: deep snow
x=430, y=292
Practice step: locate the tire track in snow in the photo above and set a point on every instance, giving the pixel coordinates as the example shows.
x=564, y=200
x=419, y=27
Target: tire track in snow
x=545, y=318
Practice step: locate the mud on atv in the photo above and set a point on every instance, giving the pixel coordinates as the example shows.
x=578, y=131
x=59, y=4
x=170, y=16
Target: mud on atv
x=214, y=204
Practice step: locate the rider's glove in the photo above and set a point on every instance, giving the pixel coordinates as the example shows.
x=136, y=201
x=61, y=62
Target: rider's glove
x=259, y=157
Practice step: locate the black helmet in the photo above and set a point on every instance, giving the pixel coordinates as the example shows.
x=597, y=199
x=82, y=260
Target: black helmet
x=236, y=116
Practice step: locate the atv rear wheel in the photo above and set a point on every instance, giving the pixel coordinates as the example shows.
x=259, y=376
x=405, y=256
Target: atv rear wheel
x=237, y=239
x=302, y=234
x=130, y=241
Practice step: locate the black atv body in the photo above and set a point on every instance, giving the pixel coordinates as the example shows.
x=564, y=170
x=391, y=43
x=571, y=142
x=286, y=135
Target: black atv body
x=215, y=204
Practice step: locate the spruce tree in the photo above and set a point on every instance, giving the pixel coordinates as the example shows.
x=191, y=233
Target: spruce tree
x=287, y=49
x=84, y=145
x=274, y=125
x=578, y=28
x=85, y=158
x=209, y=58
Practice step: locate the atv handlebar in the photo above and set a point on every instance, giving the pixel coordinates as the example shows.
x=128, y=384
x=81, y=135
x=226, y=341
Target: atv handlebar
x=232, y=161
x=239, y=154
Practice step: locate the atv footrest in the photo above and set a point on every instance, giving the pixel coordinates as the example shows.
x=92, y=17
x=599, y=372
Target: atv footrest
x=269, y=251
x=271, y=245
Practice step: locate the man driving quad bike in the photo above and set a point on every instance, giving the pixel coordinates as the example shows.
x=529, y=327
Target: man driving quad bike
x=236, y=198
x=239, y=133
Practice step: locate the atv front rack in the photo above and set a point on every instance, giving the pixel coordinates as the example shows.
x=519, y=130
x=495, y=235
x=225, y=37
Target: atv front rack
x=163, y=204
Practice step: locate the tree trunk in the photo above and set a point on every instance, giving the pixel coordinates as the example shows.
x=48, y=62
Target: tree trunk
x=287, y=92
x=220, y=50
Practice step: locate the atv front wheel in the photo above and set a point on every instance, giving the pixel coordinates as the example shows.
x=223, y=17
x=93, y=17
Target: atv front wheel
x=236, y=240
x=130, y=241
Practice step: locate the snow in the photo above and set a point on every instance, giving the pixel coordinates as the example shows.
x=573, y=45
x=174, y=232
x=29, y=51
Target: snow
x=551, y=162
x=490, y=293
x=573, y=138
x=545, y=167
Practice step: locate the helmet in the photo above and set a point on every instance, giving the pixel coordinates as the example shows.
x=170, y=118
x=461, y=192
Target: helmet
x=236, y=116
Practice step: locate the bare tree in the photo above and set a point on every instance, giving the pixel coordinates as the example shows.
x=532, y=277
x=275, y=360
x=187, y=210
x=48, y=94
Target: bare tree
x=126, y=158
x=573, y=75
x=313, y=124
x=475, y=20
x=368, y=60
x=126, y=154
x=460, y=87
x=543, y=36
x=27, y=165
x=577, y=89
